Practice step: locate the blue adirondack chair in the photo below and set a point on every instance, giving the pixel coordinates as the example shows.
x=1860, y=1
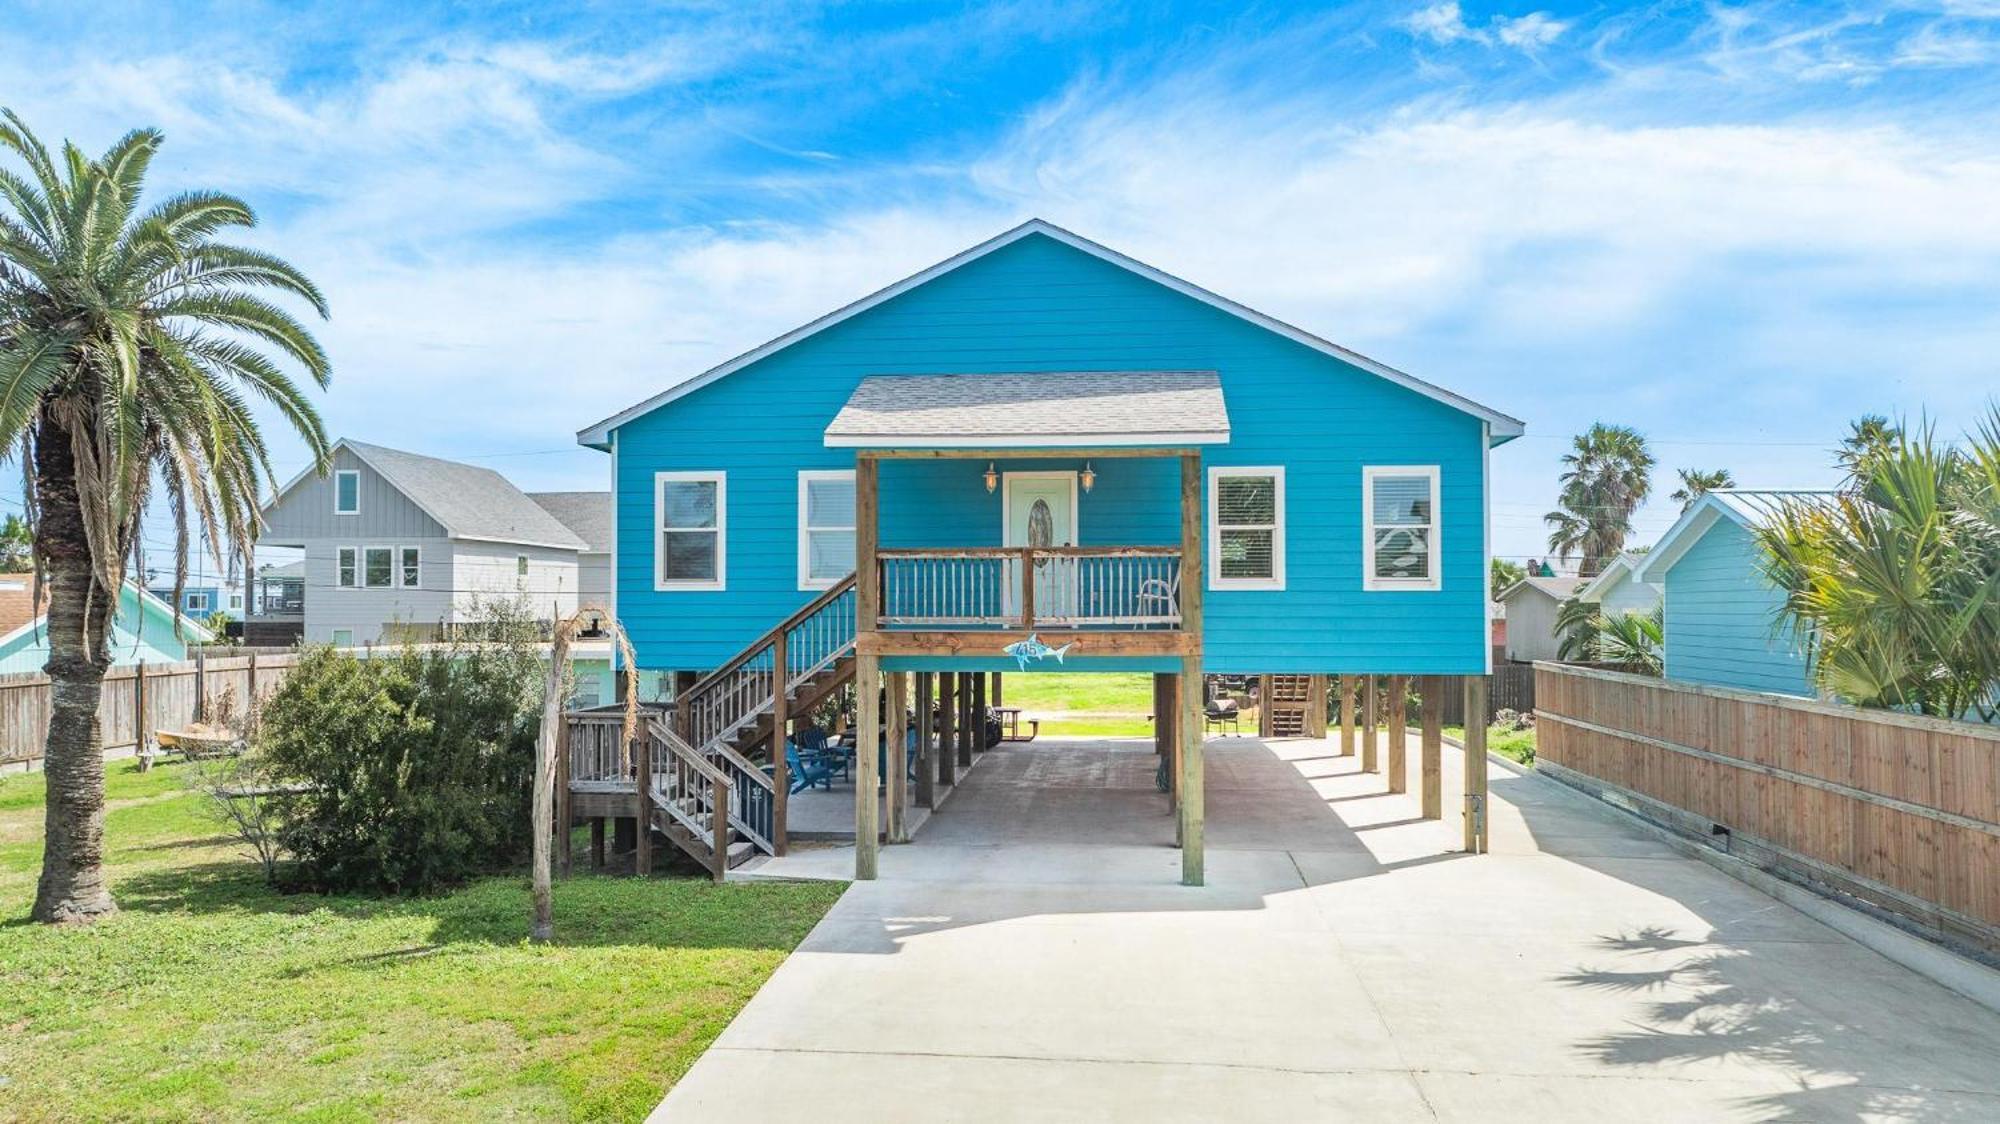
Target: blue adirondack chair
x=810, y=764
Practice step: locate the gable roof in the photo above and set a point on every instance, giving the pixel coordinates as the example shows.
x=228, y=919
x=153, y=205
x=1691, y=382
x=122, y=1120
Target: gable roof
x=1750, y=508
x=469, y=502
x=14, y=625
x=588, y=515
x=1561, y=588
x=1038, y=408
x=1503, y=426
x=1618, y=569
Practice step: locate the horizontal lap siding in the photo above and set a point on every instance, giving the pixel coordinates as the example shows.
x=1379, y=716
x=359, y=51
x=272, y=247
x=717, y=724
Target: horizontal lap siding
x=1721, y=618
x=1038, y=305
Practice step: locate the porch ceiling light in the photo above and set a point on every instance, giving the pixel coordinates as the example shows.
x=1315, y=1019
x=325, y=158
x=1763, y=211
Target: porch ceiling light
x=992, y=478
x=1089, y=477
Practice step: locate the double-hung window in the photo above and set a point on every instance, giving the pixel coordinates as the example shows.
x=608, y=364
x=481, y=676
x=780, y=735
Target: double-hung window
x=377, y=569
x=826, y=527
x=348, y=568
x=347, y=492
x=1246, y=528
x=409, y=567
x=1400, y=534
x=691, y=514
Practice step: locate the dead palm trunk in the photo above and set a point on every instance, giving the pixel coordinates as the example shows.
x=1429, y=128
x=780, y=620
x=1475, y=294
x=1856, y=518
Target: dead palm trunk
x=542, y=922
x=72, y=886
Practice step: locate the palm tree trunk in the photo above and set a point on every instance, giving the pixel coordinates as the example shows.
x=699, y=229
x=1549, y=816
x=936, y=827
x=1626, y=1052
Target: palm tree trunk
x=72, y=886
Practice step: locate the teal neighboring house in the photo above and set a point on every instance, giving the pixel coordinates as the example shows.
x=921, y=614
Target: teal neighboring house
x=144, y=629
x=1722, y=613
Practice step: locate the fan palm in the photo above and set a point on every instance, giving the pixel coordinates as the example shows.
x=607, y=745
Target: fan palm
x=1607, y=475
x=1696, y=483
x=1633, y=641
x=132, y=346
x=1895, y=586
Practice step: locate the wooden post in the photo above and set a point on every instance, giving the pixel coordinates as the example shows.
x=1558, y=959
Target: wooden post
x=201, y=686
x=1398, y=720
x=718, y=832
x=867, y=533
x=1475, y=764
x=1264, y=725
x=562, y=825
x=1316, y=707
x=250, y=703
x=1369, y=713
x=978, y=712
x=597, y=843
x=947, y=732
x=964, y=720
x=1192, y=806
x=1347, y=716
x=867, y=739
x=926, y=747
x=1430, y=792
x=781, y=720
x=898, y=763
x=642, y=807
x=139, y=713
x=996, y=690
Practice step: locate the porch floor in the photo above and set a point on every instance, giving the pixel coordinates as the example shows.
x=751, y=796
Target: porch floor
x=1031, y=957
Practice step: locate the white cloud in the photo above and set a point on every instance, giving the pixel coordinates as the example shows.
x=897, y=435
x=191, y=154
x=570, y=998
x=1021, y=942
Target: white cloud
x=1444, y=23
x=1440, y=23
x=1530, y=32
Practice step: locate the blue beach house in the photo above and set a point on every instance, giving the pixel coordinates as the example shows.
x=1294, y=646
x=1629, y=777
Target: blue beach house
x=1041, y=437
x=1723, y=625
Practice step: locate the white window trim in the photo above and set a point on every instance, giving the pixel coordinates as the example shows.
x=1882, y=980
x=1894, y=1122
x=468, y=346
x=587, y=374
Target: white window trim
x=338, y=475
x=333, y=638
x=337, y=555
x=806, y=477
x=203, y=607
x=1385, y=585
x=361, y=573
x=1215, y=579
x=401, y=573
x=721, y=582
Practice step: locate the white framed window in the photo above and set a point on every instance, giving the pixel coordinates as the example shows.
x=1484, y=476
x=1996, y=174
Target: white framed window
x=691, y=517
x=347, y=567
x=343, y=638
x=826, y=527
x=378, y=567
x=197, y=602
x=347, y=492
x=409, y=567
x=521, y=567
x=1246, y=527
x=1399, y=532
x=236, y=602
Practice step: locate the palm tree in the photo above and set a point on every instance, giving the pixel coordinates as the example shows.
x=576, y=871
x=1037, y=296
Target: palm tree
x=1696, y=483
x=132, y=345
x=1633, y=641
x=1869, y=438
x=1895, y=586
x=17, y=546
x=1608, y=474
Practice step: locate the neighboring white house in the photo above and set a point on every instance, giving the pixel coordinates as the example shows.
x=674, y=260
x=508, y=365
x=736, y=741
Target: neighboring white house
x=1531, y=605
x=399, y=546
x=1616, y=590
x=588, y=515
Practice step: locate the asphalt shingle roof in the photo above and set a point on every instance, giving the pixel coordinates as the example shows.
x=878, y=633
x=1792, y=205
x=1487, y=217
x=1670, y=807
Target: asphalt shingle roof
x=471, y=502
x=1066, y=405
x=588, y=514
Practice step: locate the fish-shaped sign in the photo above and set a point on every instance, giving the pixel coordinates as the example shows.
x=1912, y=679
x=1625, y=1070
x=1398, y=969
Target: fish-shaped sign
x=1032, y=650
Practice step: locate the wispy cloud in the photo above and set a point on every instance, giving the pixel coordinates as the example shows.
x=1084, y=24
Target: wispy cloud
x=1444, y=23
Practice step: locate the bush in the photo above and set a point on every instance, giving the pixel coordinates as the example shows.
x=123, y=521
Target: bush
x=404, y=772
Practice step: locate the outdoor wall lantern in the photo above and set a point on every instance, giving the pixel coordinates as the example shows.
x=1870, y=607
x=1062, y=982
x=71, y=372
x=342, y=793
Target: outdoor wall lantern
x=1089, y=478
x=992, y=478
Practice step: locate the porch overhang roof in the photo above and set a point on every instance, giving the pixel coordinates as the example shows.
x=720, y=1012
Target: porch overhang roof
x=1033, y=410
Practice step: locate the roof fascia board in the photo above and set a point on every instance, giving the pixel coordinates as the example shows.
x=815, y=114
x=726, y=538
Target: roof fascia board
x=1686, y=531
x=1504, y=427
x=1023, y=440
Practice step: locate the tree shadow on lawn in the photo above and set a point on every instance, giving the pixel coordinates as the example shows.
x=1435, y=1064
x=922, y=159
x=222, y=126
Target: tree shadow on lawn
x=590, y=910
x=1849, y=1056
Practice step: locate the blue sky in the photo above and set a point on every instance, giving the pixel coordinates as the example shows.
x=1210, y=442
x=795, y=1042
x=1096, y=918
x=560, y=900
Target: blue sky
x=1733, y=226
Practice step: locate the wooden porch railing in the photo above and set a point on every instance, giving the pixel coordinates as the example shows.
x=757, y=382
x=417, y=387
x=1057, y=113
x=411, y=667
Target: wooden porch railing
x=744, y=689
x=1031, y=587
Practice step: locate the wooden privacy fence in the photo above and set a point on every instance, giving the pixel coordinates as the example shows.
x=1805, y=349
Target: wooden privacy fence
x=140, y=699
x=1899, y=811
x=1510, y=687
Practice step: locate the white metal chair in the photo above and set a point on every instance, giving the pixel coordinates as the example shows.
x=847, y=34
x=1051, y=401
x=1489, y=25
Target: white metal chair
x=1159, y=597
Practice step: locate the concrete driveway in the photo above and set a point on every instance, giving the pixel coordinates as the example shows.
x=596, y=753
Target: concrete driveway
x=1030, y=957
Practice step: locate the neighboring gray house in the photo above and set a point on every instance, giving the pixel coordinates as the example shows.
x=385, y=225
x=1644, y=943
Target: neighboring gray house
x=399, y=546
x=1615, y=591
x=588, y=515
x=1531, y=615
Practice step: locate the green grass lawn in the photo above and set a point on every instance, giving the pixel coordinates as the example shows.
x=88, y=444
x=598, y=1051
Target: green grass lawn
x=1084, y=705
x=1514, y=745
x=213, y=997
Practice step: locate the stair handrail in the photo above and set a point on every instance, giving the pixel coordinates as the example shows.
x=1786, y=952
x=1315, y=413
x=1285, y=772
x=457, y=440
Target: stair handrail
x=719, y=801
x=741, y=691
x=755, y=647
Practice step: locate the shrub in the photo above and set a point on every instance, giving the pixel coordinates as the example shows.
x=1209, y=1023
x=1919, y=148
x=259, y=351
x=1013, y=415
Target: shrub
x=405, y=772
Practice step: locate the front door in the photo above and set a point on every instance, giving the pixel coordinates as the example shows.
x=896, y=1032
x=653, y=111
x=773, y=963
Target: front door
x=1040, y=510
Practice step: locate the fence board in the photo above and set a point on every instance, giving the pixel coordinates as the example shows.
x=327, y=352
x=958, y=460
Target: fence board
x=1898, y=810
x=171, y=690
